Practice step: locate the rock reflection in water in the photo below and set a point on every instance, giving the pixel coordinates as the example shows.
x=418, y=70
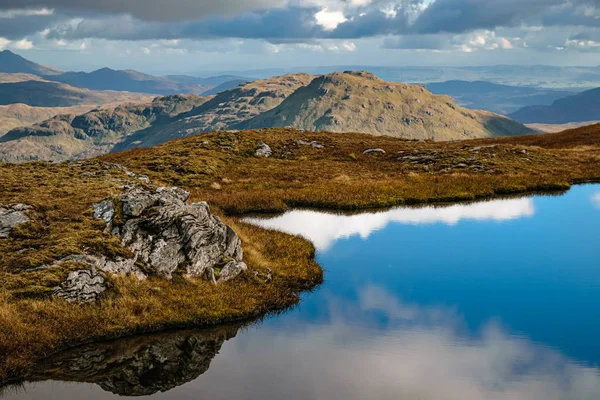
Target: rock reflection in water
x=138, y=366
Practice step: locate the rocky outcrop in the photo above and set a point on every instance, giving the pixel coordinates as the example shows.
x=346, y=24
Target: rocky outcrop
x=166, y=235
x=374, y=151
x=12, y=216
x=137, y=366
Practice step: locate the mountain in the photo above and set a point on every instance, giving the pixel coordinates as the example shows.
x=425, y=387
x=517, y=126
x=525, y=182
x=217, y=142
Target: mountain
x=96, y=132
x=581, y=107
x=53, y=94
x=17, y=115
x=223, y=111
x=15, y=64
x=128, y=80
x=225, y=86
x=361, y=102
x=502, y=99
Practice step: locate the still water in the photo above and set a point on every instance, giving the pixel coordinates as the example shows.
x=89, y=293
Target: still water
x=494, y=300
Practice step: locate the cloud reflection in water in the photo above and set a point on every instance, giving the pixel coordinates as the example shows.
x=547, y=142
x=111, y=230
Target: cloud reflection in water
x=324, y=228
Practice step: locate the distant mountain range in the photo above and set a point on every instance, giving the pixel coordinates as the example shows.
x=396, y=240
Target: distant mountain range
x=118, y=80
x=340, y=102
x=502, y=99
x=53, y=94
x=581, y=107
x=15, y=64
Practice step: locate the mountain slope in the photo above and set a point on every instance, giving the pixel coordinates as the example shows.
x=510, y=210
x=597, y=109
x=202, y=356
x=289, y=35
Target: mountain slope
x=15, y=64
x=129, y=80
x=223, y=111
x=578, y=108
x=54, y=94
x=16, y=115
x=361, y=102
x=96, y=132
x=502, y=99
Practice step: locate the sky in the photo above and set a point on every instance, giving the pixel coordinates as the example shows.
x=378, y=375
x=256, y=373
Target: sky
x=184, y=36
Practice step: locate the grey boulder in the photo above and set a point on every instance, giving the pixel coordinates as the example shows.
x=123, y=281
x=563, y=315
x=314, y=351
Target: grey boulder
x=12, y=216
x=263, y=150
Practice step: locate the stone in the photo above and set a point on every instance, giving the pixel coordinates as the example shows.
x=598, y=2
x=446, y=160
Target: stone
x=165, y=235
x=12, y=216
x=104, y=210
x=314, y=144
x=231, y=270
x=82, y=286
x=263, y=150
x=374, y=151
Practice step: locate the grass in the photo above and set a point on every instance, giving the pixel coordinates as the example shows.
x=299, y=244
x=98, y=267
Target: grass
x=221, y=168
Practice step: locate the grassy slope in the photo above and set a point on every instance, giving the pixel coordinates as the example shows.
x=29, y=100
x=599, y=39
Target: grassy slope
x=221, y=167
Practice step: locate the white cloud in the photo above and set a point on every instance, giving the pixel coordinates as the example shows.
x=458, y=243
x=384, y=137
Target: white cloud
x=23, y=44
x=329, y=20
x=25, y=13
x=596, y=200
x=4, y=43
x=145, y=50
x=349, y=46
x=323, y=229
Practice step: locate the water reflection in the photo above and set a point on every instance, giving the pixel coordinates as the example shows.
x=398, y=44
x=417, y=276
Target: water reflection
x=596, y=200
x=325, y=228
x=441, y=303
x=137, y=366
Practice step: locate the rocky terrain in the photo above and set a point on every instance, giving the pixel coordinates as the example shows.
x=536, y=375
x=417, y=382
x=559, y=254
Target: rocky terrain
x=21, y=115
x=361, y=102
x=340, y=102
x=93, y=133
x=223, y=111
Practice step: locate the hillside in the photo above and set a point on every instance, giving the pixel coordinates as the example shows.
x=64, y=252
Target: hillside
x=96, y=132
x=18, y=115
x=502, y=99
x=224, y=110
x=225, y=86
x=12, y=63
x=361, y=102
x=581, y=107
x=39, y=93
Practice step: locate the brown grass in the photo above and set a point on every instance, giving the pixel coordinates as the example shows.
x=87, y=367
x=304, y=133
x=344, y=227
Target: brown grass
x=33, y=324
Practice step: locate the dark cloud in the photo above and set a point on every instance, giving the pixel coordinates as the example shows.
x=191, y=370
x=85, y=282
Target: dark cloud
x=151, y=10
x=23, y=25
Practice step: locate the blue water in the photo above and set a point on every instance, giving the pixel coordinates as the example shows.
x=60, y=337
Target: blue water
x=491, y=300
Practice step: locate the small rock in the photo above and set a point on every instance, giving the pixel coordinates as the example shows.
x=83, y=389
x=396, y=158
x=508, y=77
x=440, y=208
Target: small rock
x=104, y=210
x=82, y=286
x=374, y=151
x=461, y=165
x=12, y=216
x=232, y=270
x=314, y=144
x=263, y=150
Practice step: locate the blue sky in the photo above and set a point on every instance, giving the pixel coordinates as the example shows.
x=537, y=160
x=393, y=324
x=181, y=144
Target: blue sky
x=193, y=36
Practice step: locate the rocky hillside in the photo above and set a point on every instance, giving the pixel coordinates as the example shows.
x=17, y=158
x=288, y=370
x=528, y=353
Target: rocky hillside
x=96, y=132
x=224, y=111
x=581, y=107
x=339, y=102
x=361, y=102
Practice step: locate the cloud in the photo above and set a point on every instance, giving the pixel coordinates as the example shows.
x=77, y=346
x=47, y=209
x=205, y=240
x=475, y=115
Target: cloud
x=151, y=10
x=596, y=200
x=323, y=229
x=3, y=43
x=23, y=44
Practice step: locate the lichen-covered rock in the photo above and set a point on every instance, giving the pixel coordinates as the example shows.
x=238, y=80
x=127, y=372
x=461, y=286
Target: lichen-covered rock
x=263, y=150
x=166, y=235
x=12, y=216
x=232, y=270
x=374, y=151
x=82, y=286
